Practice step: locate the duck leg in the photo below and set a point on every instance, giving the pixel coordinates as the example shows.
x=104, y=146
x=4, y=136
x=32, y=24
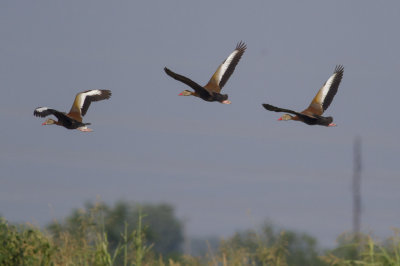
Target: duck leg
x=84, y=129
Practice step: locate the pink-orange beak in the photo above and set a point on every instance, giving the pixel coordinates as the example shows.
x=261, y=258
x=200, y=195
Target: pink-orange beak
x=280, y=118
x=180, y=94
x=44, y=123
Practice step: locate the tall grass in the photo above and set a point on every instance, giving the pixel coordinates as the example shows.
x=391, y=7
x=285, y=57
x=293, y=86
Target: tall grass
x=88, y=245
x=365, y=250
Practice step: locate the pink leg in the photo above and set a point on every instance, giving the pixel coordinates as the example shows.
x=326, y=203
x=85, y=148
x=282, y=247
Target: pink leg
x=84, y=129
x=332, y=125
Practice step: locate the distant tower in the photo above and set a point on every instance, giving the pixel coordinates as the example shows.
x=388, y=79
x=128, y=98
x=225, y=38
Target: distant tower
x=357, y=186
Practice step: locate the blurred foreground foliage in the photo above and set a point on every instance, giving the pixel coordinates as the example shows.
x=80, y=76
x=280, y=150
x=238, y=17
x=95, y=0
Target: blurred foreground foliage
x=162, y=227
x=128, y=234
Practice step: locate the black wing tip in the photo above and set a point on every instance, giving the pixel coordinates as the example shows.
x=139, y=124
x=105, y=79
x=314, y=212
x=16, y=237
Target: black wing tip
x=43, y=113
x=339, y=69
x=268, y=106
x=105, y=94
x=241, y=46
x=36, y=113
x=168, y=72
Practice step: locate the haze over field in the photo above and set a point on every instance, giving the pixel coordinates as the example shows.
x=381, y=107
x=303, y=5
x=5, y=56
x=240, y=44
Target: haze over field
x=224, y=167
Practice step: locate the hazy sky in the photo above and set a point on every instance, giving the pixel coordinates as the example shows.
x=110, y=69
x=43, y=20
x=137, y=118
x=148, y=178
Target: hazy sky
x=224, y=167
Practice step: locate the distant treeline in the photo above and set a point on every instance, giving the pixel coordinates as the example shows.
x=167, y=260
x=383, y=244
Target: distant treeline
x=132, y=234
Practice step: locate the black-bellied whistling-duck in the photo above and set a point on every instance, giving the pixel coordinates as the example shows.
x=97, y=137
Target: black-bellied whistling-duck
x=313, y=114
x=73, y=120
x=211, y=92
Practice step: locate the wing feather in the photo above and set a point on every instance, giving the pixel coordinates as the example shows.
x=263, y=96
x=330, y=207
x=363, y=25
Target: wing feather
x=327, y=92
x=83, y=101
x=196, y=87
x=279, y=110
x=45, y=111
x=225, y=70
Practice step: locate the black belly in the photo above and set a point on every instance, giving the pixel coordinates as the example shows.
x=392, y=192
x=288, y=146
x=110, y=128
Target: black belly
x=214, y=97
x=72, y=124
x=318, y=120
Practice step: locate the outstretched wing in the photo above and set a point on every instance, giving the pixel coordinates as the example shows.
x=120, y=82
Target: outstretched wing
x=282, y=110
x=196, y=87
x=83, y=101
x=279, y=110
x=325, y=95
x=225, y=70
x=45, y=111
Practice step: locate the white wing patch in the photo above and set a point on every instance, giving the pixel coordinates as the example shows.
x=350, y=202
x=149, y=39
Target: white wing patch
x=225, y=65
x=325, y=89
x=41, y=109
x=82, y=97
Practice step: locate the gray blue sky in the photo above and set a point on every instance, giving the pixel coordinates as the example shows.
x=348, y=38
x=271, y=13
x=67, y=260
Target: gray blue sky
x=224, y=167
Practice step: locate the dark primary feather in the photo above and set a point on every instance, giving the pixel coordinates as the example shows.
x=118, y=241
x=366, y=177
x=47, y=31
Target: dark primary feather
x=196, y=87
x=241, y=47
x=277, y=109
x=62, y=117
x=105, y=94
x=339, y=69
x=47, y=112
x=44, y=112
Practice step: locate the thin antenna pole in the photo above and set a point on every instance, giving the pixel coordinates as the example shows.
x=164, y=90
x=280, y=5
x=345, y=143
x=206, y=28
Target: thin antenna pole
x=357, y=187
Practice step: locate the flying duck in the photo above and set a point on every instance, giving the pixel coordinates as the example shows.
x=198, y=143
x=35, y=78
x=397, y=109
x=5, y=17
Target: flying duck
x=313, y=114
x=211, y=92
x=73, y=120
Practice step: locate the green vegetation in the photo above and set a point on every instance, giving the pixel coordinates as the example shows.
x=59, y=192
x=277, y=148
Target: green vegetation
x=24, y=245
x=364, y=250
x=150, y=235
x=162, y=227
x=270, y=246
